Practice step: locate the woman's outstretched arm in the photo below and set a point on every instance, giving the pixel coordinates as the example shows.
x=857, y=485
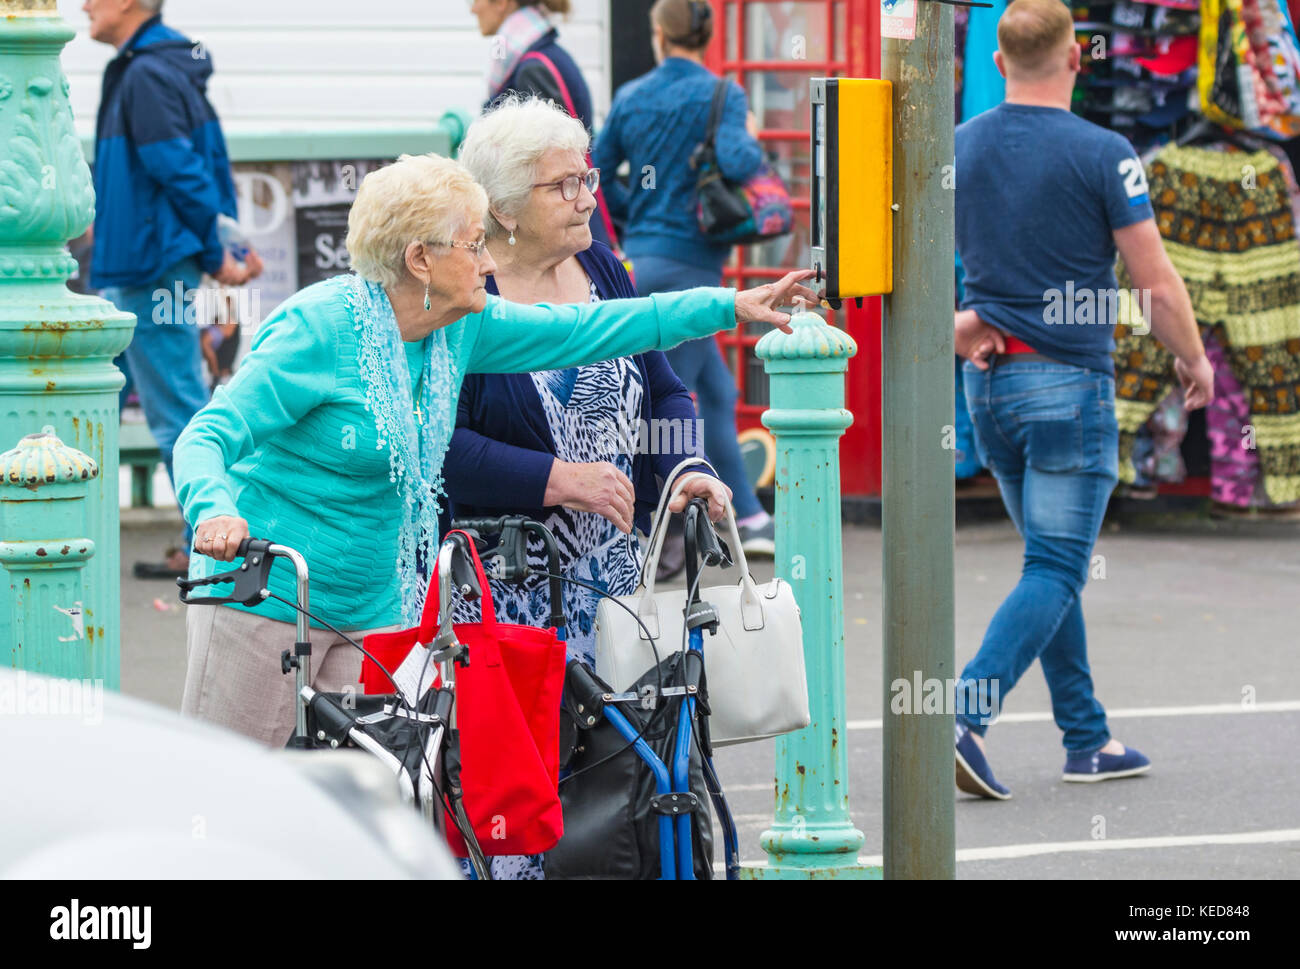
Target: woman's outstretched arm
x=514, y=338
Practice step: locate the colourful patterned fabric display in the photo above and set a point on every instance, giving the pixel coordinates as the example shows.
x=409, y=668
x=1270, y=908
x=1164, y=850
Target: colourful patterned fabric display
x=1249, y=66
x=1227, y=225
x=1234, y=464
x=1157, y=452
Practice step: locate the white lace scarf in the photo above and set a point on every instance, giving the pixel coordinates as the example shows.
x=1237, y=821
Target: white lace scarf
x=415, y=452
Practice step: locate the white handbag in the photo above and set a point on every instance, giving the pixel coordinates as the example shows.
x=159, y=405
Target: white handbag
x=754, y=665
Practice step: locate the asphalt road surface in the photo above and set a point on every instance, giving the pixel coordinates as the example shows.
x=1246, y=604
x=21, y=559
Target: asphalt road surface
x=1193, y=641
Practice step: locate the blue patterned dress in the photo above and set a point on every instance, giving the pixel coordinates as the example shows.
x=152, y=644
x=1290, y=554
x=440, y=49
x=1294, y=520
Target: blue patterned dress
x=584, y=408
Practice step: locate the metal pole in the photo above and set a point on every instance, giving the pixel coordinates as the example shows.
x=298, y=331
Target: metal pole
x=812, y=835
x=56, y=347
x=918, y=502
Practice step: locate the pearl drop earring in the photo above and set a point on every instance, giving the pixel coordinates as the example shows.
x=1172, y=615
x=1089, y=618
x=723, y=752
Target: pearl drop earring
x=427, y=304
x=511, y=240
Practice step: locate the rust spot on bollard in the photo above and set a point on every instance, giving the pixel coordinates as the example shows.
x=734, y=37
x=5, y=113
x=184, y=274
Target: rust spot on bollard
x=76, y=426
x=42, y=552
x=65, y=550
x=835, y=739
x=799, y=768
x=90, y=634
x=49, y=385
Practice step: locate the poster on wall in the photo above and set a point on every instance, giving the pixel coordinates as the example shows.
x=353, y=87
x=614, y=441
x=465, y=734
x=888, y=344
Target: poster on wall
x=322, y=194
x=266, y=217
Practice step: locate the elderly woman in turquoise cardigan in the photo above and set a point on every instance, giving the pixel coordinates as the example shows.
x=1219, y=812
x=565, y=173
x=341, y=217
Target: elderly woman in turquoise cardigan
x=331, y=437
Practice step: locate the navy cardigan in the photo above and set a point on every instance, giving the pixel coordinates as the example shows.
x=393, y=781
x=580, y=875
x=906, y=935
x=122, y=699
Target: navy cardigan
x=501, y=451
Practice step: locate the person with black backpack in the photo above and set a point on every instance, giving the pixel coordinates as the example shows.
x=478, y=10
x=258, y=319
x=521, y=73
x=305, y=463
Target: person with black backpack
x=656, y=123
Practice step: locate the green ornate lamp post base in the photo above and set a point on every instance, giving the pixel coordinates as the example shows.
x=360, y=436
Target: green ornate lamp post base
x=814, y=872
x=43, y=487
x=56, y=347
x=813, y=834
x=812, y=851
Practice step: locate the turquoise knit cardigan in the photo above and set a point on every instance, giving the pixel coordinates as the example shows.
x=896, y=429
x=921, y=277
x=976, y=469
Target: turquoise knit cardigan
x=288, y=445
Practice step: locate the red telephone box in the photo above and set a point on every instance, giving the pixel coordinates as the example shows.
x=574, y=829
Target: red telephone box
x=771, y=48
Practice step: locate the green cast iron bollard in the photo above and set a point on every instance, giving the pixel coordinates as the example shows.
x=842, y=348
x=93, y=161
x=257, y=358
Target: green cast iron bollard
x=56, y=347
x=43, y=521
x=813, y=835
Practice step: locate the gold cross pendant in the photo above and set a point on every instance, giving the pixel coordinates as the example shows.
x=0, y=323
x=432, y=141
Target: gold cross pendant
x=419, y=417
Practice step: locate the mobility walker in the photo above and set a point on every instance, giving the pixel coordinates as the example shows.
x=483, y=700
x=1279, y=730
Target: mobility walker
x=416, y=740
x=655, y=734
x=640, y=768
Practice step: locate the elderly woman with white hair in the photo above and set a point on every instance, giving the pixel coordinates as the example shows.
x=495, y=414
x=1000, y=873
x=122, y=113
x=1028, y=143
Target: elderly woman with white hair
x=570, y=447
x=331, y=437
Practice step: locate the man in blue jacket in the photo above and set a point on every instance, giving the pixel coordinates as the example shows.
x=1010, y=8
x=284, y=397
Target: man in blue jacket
x=162, y=182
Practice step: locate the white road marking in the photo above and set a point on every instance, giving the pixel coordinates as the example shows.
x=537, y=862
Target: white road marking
x=1038, y=716
x=1000, y=852
x=1117, y=844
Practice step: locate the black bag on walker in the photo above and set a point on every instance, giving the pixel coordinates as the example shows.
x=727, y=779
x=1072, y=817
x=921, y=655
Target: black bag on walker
x=611, y=829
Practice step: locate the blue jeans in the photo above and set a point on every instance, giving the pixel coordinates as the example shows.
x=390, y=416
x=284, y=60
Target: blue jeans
x=1047, y=431
x=164, y=361
x=701, y=368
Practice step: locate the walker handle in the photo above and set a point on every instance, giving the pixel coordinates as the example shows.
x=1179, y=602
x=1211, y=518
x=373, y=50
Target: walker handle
x=249, y=579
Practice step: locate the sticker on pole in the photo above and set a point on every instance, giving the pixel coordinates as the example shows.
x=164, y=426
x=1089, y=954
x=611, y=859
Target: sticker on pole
x=898, y=19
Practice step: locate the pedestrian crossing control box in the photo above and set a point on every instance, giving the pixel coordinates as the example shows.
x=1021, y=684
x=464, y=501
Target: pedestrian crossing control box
x=852, y=225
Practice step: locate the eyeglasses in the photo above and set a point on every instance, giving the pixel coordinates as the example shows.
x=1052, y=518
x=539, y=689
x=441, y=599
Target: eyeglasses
x=478, y=248
x=569, y=185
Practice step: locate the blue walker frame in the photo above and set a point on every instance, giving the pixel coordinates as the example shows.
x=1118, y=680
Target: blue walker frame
x=676, y=859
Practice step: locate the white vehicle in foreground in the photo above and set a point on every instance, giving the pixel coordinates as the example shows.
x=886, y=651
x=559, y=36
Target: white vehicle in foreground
x=99, y=785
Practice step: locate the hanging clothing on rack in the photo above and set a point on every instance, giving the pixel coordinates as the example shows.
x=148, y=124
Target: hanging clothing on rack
x=1138, y=67
x=1157, y=450
x=1292, y=185
x=1248, y=63
x=1227, y=225
x=1234, y=463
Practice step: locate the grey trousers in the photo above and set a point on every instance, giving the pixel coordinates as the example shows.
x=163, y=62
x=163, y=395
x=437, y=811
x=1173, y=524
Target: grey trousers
x=233, y=673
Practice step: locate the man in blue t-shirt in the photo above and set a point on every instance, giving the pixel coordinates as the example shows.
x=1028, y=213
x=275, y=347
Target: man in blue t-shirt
x=1044, y=200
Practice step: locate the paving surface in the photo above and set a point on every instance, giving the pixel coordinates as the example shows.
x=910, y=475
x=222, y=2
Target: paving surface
x=1186, y=629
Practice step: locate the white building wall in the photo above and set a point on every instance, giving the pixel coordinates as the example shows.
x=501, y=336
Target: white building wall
x=300, y=65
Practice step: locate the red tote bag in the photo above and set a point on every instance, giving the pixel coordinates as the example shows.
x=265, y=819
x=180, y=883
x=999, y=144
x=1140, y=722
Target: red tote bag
x=507, y=717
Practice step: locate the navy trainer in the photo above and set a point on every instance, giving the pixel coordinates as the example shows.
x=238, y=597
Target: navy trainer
x=1086, y=768
x=974, y=776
